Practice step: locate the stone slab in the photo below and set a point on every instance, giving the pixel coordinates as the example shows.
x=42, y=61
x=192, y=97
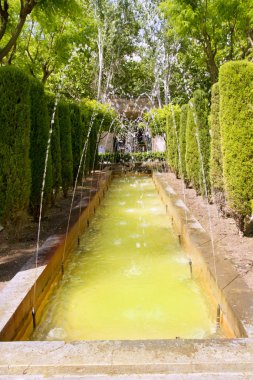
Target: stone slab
x=132, y=359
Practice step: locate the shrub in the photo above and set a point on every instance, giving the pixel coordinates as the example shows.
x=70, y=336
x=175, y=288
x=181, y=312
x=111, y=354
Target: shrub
x=135, y=157
x=15, y=174
x=76, y=136
x=66, y=147
x=38, y=148
x=172, y=136
x=236, y=118
x=55, y=147
x=182, y=139
x=93, y=148
x=156, y=119
x=198, y=142
x=216, y=164
x=86, y=125
x=191, y=153
x=99, y=117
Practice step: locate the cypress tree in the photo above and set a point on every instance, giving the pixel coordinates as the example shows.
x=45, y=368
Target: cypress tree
x=76, y=135
x=93, y=151
x=38, y=148
x=198, y=142
x=85, y=121
x=172, y=138
x=15, y=172
x=202, y=113
x=182, y=139
x=191, y=155
x=236, y=118
x=216, y=164
x=55, y=147
x=66, y=147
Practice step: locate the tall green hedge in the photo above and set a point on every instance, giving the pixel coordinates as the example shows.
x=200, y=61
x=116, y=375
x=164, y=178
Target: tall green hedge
x=198, y=142
x=76, y=136
x=38, y=148
x=216, y=164
x=236, y=118
x=93, y=148
x=66, y=147
x=191, y=154
x=15, y=173
x=172, y=137
x=85, y=121
x=55, y=146
x=182, y=139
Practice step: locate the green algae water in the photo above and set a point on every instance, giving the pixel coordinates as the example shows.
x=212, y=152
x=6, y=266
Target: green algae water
x=129, y=279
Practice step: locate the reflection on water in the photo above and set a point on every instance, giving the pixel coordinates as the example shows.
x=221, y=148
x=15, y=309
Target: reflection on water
x=129, y=278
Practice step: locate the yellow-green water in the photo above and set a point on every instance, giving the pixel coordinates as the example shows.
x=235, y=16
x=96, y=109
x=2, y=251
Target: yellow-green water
x=129, y=279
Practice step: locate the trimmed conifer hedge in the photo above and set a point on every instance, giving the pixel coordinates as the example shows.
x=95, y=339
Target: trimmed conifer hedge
x=66, y=147
x=198, y=142
x=216, y=164
x=236, y=118
x=15, y=173
x=182, y=137
x=93, y=151
x=191, y=154
x=38, y=148
x=76, y=136
x=55, y=147
x=172, y=136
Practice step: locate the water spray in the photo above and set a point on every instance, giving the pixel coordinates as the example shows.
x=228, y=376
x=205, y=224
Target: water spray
x=57, y=99
x=218, y=317
x=34, y=318
x=190, y=264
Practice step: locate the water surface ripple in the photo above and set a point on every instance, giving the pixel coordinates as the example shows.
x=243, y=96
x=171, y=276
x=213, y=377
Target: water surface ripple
x=129, y=279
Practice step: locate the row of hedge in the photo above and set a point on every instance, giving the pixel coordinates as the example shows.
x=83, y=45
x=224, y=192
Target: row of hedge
x=215, y=143
x=25, y=117
x=131, y=157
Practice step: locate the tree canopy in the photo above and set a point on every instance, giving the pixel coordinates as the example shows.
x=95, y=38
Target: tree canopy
x=103, y=48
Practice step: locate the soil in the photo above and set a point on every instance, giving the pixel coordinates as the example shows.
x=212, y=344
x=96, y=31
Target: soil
x=14, y=253
x=238, y=249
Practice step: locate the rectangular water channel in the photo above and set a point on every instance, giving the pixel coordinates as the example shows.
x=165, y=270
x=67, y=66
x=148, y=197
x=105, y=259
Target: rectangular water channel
x=129, y=279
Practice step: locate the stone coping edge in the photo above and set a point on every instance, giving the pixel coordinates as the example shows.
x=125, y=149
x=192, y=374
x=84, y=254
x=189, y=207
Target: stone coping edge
x=214, y=272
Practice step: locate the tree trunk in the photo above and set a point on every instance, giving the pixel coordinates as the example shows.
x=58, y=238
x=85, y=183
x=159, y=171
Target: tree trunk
x=3, y=27
x=25, y=11
x=212, y=69
x=4, y=16
x=210, y=61
x=251, y=37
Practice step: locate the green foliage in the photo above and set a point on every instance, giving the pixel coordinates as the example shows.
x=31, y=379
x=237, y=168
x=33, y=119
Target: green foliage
x=38, y=148
x=191, y=153
x=76, y=136
x=15, y=174
x=172, y=138
x=198, y=142
x=66, y=147
x=236, y=118
x=93, y=149
x=86, y=124
x=166, y=121
x=101, y=114
x=216, y=164
x=182, y=138
x=218, y=29
x=133, y=157
x=156, y=119
x=99, y=117
x=55, y=146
